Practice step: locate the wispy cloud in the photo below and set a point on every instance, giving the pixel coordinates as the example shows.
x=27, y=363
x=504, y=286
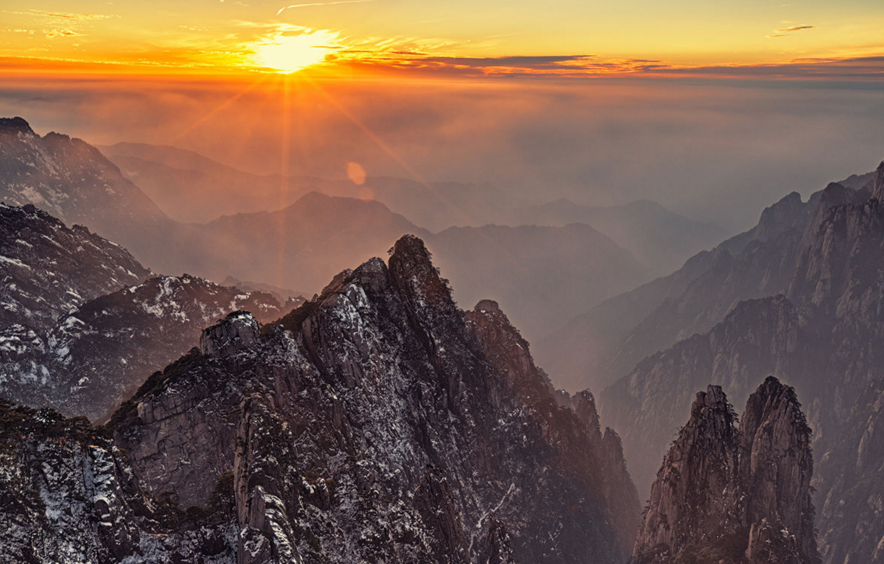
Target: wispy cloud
x=589, y=66
x=50, y=33
x=292, y=6
x=796, y=28
x=562, y=66
x=62, y=15
x=852, y=68
x=784, y=32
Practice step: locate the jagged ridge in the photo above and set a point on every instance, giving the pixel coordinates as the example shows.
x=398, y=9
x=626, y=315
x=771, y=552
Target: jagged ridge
x=729, y=494
x=376, y=422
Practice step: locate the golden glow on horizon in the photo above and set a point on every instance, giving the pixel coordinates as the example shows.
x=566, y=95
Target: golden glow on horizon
x=464, y=38
x=291, y=53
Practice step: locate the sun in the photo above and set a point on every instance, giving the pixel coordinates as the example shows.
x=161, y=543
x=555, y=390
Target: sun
x=290, y=53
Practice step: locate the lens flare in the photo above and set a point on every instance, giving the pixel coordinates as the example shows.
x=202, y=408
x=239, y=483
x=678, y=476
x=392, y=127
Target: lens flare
x=356, y=173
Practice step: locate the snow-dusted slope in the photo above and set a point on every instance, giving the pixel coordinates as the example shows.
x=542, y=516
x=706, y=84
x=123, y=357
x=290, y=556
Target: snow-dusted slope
x=376, y=423
x=48, y=269
x=73, y=181
x=80, y=328
x=98, y=354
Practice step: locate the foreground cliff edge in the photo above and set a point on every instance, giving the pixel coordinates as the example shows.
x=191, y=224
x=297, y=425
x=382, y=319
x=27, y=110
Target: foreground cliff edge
x=377, y=422
x=734, y=494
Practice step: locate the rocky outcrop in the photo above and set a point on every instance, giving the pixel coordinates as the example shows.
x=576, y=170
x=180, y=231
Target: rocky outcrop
x=878, y=183
x=759, y=337
x=98, y=354
x=48, y=269
x=734, y=494
x=74, y=182
x=380, y=423
x=238, y=331
x=68, y=496
x=606, y=343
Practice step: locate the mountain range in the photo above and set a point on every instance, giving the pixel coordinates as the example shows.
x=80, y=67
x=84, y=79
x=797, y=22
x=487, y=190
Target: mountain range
x=821, y=334
x=307, y=242
x=613, y=336
x=194, y=188
x=84, y=322
x=377, y=422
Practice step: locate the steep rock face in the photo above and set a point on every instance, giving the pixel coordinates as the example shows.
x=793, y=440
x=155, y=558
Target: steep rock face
x=237, y=332
x=74, y=182
x=48, y=269
x=850, y=492
x=828, y=347
x=509, y=354
x=695, y=497
x=759, y=337
x=729, y=494
x=776, y=465
x=98, y=354
x=840, y=280
x=878, y=183
x=379, y=422
x=618, y=333
x=69, y=496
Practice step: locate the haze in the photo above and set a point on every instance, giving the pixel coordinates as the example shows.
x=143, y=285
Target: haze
x=715, y=150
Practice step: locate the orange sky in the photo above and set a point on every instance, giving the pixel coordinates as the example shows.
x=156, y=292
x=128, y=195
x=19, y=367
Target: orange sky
x=563, y=38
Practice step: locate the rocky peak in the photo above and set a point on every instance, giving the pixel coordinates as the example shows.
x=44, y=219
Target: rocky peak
x=412, y=270
x=779, y=217
x=48, y=268
x=723, y=491
x=710, y=408
x=878, y=183
x=583, y=404
x=15, y=125
x=506, y=348
x=776, y=464
x=693, y=499
x=238, y=331
x=381, y=423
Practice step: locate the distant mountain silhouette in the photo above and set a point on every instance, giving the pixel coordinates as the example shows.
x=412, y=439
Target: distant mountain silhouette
x=616, y=334
x=657, y=237
x=541, y=274
x=193, y=188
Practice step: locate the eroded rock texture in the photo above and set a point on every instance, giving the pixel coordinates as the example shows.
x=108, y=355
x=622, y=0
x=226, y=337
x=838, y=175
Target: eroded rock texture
x=821, y=336
x=732, y=494
x=82, y=324
x=375, y=423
